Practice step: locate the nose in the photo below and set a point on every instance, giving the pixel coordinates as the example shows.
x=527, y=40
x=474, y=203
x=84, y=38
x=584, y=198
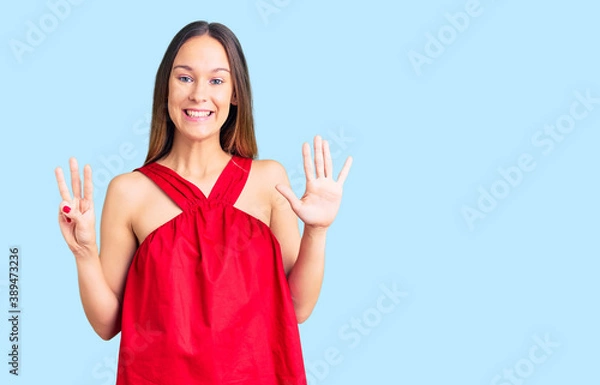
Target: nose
x=199, y=92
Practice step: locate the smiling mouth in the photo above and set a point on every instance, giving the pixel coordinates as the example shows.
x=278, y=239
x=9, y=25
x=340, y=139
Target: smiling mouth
x=198, y=114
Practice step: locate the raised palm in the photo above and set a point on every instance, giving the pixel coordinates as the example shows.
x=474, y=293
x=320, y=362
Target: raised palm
x=320, y=203
x=76, y=216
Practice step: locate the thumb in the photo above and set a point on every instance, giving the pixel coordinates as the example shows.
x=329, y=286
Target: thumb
x=70, y=211
x=288, y=194
x=66, y=211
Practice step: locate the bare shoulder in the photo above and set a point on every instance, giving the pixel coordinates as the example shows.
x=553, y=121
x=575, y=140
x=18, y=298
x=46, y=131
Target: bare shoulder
x=260, y=195
x=269, y=171
x=128, y=187
x=128, y=193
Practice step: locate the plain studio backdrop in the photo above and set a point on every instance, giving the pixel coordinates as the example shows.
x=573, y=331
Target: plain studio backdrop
x=465, y=250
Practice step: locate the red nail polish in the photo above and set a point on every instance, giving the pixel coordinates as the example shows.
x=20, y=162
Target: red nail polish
x=68, y=220
x=66, y=209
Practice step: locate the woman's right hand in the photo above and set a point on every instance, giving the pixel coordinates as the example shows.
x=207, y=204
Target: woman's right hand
x=76, y=216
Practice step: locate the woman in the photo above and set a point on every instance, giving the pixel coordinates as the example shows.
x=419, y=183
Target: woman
x=202, y=267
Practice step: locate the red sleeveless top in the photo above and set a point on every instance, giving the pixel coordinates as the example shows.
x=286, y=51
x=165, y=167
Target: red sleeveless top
x=206, y=299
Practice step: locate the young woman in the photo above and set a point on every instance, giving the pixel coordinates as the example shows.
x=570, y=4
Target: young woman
x=202, y=267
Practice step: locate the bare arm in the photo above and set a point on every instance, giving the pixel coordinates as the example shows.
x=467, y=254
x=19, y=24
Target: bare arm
x=101, y=276
x=306, y=277
x=304, y=258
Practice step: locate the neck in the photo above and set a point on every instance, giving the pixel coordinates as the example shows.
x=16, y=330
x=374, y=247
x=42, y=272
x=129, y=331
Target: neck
x=198, y=158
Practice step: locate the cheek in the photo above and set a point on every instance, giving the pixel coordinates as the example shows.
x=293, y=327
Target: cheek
x=174, y=93
x=225, y=96
x=175, y=97
x=171, y=110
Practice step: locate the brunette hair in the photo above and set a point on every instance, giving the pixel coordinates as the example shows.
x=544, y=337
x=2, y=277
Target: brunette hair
x=237, y=133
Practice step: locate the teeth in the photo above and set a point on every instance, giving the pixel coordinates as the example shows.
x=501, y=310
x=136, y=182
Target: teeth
x=197, y=114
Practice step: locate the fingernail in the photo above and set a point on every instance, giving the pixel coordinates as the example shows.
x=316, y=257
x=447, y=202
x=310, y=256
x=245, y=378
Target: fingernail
x=66, y=209
x=68, y=220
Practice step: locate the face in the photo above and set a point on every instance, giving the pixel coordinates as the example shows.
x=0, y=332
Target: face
x=200, y=88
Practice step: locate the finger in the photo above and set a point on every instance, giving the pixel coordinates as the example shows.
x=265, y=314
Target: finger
x=309, y=169
x=75, y=181
x=328, y=161
x=62, y=184
x=88, y=186
x=87, y=202
x=65, y=212
x=64, y=223
x=345, y=170
x=288, y=194
x=319, y=167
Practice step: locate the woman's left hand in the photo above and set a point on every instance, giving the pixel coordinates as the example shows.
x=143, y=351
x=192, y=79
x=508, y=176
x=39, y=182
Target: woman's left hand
x=320, y=203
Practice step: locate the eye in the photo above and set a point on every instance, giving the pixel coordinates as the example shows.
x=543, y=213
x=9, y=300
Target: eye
x=185, y=79
x=216, y=81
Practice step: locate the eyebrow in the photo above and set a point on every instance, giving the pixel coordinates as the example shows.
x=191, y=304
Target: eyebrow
x=188, y=68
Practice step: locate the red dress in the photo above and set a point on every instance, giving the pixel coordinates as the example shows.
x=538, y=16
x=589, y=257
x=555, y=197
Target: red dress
x=206, y=299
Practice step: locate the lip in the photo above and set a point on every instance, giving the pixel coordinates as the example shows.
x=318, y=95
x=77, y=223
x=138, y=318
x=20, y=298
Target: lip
x=198, y=119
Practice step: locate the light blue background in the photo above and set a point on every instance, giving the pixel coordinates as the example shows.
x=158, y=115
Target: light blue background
x=424, y=139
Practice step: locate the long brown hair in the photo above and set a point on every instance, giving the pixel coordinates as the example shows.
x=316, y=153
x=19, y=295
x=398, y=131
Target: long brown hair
x=237, y=133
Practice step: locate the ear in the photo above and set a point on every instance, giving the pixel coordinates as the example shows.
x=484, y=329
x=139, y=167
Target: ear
x=234, y=99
